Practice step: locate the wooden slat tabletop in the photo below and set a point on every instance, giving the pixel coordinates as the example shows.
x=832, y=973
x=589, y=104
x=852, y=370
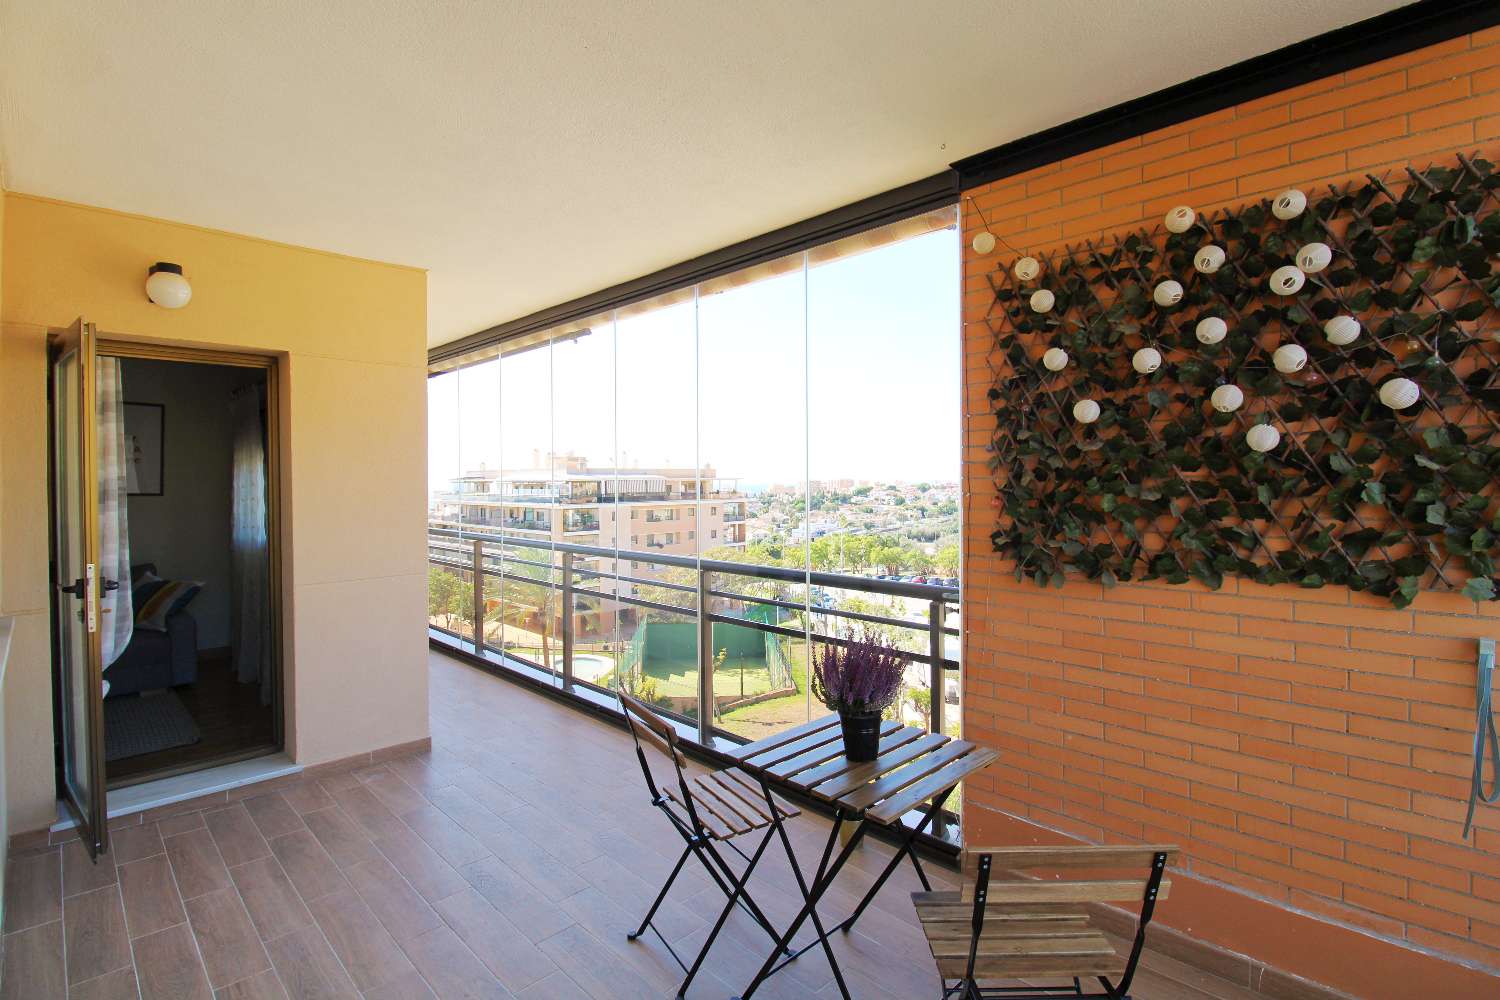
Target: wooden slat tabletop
x=912, y=766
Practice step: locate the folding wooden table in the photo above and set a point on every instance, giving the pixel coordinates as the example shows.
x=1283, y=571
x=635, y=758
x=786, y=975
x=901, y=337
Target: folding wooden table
x=913, y=766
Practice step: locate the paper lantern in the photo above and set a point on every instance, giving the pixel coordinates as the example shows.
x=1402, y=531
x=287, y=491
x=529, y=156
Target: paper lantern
x=1055, y=360
x=1208, y=259
x=1042, y=300
x=1227, y=398
x=1314, y=257
x=1289, y=358
x=1146, y=360
x=1167, y=293
x=1180, y=219
x=1085, y=411
x=1289, y=204
x=1027, y=268
x=1211, y=330
x=1399, y=393
x=1287, y=280
x=984, y=243
x=1262, y=437
x=1341, y=330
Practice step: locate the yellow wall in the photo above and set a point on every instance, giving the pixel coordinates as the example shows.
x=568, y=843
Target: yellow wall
x=351, y=335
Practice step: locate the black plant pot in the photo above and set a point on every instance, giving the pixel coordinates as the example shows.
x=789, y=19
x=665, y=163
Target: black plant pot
x=861, y=734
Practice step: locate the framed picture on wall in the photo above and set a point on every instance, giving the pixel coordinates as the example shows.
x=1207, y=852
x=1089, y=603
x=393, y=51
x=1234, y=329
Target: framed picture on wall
x=144, y=448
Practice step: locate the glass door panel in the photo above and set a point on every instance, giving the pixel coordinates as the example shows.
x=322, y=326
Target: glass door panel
x=76, y=541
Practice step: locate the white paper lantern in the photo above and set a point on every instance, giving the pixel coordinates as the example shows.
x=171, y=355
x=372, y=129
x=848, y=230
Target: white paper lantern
x=1085, y=411
x=1289, y=358
x=1227, y=398
x=1211, y=330
x=1208, y=259
x=1042, y=300
x=1287, y=280
x=1056, y=359
x=1341, y=330
x=1262, y=437
x=1180, y=219
x=1314, y=257
x=984, y=243
x=1289, y=204
x=1399, y=393
x=1167, y=293
x=1027, y=268
x=1146, y=360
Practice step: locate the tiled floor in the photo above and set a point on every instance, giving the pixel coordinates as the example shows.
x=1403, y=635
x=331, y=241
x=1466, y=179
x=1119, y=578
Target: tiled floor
x=508, y=862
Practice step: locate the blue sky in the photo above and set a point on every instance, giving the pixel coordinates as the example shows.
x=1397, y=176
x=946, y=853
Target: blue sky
x=850, y=369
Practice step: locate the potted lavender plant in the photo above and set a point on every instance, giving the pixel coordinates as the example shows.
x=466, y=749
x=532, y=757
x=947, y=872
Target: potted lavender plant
x=859, y=679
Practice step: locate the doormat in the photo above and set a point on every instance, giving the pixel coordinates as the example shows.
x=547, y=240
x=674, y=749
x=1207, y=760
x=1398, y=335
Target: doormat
x=138, y=724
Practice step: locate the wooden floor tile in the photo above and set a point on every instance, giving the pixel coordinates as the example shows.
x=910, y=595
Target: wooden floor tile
x=428, y=873
x=196, y=863
x=450, y=968
x=407, y=986
x=369, y=953
x=227, y=939
x=451, y=842
x=576, y=952
x=167, y=966
x=132, y=843
x=345, y=842
x=272, y=815
x=555, y=987
x=274, y=905
x=173, y=825
x=497, y=942
x=33, y=890
x=305, y=796
x=236, y=835
x=308, y=968
x=312, y=871
x=395, y=794
x=263, y=986
x=150, y=896
x=536, y=916
x=33, y=967
x=368, y=812
x=82, y=873
x=399, y=907
x=117, y=985
x=94, y=933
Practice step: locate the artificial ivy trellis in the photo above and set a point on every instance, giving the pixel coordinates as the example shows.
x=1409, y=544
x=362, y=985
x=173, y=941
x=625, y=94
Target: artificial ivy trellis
x=1164, y=487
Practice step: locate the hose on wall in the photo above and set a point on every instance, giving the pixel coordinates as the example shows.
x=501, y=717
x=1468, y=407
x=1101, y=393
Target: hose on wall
x=1484, y=735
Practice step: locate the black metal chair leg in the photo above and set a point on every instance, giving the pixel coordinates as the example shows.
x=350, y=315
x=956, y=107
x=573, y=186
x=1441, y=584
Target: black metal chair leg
x=812, y=906
x=747, y=902
x=661, y=895
x=734, y=898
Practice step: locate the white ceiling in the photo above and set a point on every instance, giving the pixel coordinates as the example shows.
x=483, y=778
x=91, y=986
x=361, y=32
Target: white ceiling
x=528, y=153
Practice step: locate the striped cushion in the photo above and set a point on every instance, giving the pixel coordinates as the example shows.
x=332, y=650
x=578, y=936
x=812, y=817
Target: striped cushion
x=163, y=599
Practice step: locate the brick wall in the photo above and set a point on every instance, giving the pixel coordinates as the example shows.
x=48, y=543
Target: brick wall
x=1310, y=747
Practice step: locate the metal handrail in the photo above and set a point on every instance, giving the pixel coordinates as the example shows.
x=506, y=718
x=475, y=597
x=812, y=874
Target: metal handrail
x=447, y=547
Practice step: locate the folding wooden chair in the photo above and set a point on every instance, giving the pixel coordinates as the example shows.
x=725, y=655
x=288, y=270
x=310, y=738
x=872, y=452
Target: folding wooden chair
x=1018, y=928
x=710, y=809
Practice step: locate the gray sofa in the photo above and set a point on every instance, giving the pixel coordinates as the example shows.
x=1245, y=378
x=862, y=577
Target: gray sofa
x=156, y=659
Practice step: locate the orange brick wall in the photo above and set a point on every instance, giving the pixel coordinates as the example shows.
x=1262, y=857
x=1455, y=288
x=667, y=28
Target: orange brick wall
x=1310, y=747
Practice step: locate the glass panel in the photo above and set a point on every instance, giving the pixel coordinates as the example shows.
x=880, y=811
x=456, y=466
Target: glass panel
x=527, y=604
x=883, y=503
x=449, y=597
x=71, y=556
x=584, y=474
x=753, y=440
x=656, y=392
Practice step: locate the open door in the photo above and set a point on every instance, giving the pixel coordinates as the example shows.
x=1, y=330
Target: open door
x=75, y=492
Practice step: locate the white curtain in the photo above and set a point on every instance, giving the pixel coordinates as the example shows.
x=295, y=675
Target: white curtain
x=117, y=613
x=250, y=624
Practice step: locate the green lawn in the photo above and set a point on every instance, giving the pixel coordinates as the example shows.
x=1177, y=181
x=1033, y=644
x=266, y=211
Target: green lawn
x=678, y=678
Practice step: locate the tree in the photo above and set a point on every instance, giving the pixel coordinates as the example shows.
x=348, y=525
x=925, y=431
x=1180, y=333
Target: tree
x=947, y=560
x=448, y=596
x=920, y=699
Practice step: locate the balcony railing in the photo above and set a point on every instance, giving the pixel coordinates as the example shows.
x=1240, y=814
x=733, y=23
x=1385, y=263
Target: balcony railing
x=527, y=524
x=544, y=572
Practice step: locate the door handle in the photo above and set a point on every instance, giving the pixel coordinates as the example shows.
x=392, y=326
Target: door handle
x=76, y=589
x=111, y=585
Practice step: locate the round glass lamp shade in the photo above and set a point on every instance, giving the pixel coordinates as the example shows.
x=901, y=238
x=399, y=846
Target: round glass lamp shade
x=1042, y=300
x=1211, y=330
x=1027, y=269
x=984, y=243
x=1289, y=204
x=1085, y=411
x=166, y=286
x=1056, y=359
x=1262, y=437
